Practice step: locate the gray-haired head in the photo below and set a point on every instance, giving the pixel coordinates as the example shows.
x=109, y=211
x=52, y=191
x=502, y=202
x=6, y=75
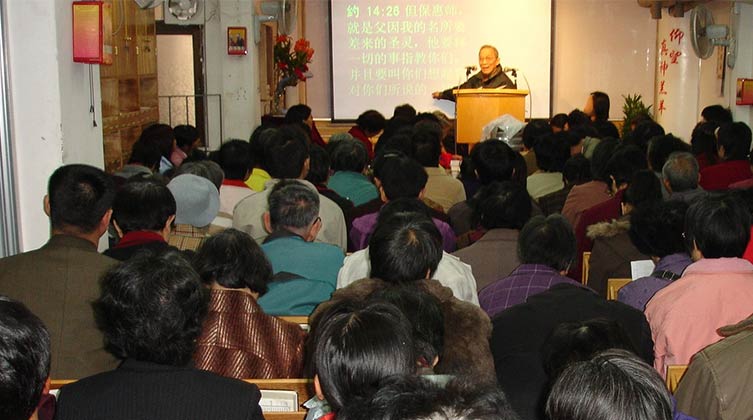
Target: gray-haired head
x=292, y=205
x=681, y=171
x=204, y=168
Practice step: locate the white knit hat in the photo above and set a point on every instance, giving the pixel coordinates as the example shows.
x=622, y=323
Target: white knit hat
x=196, y=198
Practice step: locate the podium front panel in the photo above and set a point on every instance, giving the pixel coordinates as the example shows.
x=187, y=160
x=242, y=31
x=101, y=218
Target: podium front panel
x=478, y=107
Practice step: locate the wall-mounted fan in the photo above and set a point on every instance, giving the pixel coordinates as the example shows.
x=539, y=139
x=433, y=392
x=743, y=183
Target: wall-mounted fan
x=283, y=11
x=184, y=12
x=705, y=35
x=148, y=4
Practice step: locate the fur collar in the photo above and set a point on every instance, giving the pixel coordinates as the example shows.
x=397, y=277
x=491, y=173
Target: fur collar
x=608, y=229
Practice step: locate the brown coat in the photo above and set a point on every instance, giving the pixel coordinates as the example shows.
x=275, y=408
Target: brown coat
x=717, y=384
x=240, y=341
x=58, y=282
x=611, y=254
x=467, y=328
x=492, y=257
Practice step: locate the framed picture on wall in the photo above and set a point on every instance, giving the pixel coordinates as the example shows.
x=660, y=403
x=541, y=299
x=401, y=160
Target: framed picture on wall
x=237, y=41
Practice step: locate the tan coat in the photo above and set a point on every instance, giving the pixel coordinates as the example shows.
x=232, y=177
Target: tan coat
x=58, y=282
x=717, y=384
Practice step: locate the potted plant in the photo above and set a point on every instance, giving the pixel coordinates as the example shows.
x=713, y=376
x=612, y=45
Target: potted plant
x=632, y=108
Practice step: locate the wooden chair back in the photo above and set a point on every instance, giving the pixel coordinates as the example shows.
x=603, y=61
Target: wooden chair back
x=585, y=266
x=614, y=286
x=58, y=383
x=303, y=387
x=674, y=375
x=302, y=321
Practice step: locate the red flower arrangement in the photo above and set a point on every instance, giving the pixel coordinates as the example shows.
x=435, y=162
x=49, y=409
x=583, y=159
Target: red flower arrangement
x=291, y=65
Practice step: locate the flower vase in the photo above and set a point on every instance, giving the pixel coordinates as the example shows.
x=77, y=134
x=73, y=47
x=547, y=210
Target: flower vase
x=277, y=106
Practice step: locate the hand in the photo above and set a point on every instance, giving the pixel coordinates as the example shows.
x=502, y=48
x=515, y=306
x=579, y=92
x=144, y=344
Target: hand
x=436, y=95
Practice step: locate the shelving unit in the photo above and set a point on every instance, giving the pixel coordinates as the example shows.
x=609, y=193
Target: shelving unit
x=129, y=85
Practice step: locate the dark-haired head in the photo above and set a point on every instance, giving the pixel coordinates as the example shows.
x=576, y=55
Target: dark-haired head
x=143, y=204
x=235, y=159
x=424, y=314
x=716, y=114
x=404, y=111
x=577, y=170
x=79, y=198
x=548, y=241
x=600, y=157
x=151, y=308
x=534, y=130
x=397, y=137
x=733, y=140
x=371, y=122
x=659, y=149
x=257, y=141
x=404, y=248
x=643, y=133
x=350, y=156
x=427, y=142
x=356, y=346
x=24, y=360
x=234, y=260
x=286, y=151
x=600, y=106
x=502, y=205
x=717, y=227
x=559, y=122
x=703, y=141
x=399, y=176
x=298, y=114
x=572, y=342
x=644, y=188
x=577, y=118
x=551, y=152
x=146, y=154
x=162, y=136
x=623, y=163
x=680, y=172
x=319, y=165
x=186, y=137
x=613, y=385
x=410, y=397
x=493, y=161
x=656, y=228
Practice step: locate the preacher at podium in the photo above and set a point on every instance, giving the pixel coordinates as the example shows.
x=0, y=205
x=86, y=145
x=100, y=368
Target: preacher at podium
x=490, y=76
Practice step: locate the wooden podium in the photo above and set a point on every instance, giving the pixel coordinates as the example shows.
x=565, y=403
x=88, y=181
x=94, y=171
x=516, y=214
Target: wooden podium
x=477, y=107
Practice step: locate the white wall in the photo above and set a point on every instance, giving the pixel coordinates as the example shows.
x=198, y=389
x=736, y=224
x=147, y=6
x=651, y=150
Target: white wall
x=50, y=105
x=698, y=84
x=602, y=45
x=235, y=77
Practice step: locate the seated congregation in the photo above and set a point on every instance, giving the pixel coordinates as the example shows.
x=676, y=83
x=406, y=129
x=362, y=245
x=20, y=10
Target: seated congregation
x=416, y=293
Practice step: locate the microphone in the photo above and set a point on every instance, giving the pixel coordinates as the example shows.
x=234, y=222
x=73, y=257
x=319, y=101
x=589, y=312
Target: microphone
x=468, y=70
x=512, y=70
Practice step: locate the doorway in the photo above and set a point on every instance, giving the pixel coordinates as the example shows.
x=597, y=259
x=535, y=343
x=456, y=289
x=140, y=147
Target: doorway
x=180, y=77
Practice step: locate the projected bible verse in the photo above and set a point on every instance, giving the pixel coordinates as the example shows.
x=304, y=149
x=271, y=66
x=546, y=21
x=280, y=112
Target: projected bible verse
x=385, y=53
x=393, y=40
